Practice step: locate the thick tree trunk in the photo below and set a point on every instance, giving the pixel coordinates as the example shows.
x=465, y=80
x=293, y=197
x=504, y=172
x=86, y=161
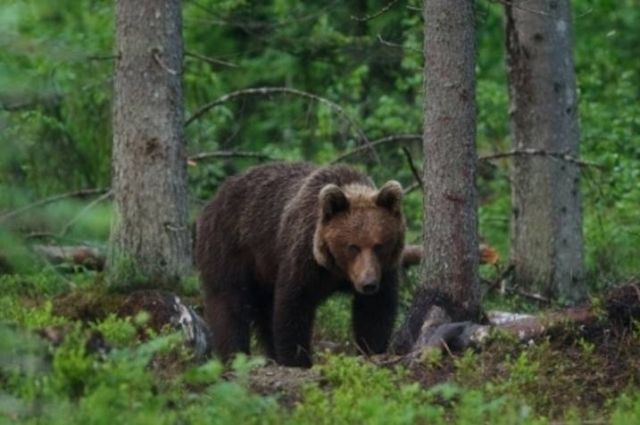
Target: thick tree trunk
x=546, y=237
x=450, y=206
x=150, y=240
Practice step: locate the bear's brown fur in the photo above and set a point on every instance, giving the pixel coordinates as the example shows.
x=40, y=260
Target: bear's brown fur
x=279, y=239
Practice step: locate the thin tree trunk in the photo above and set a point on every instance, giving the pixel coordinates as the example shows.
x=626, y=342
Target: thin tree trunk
x=450, y=201
x=546, y=223
x=150, y=240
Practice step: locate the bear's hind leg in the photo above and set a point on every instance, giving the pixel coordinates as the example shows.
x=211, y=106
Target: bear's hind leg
x=264, y=324
x=228, y=316
x=228, y=307
x=293, y=326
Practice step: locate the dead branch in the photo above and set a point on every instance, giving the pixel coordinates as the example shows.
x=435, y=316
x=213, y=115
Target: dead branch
x=413, y=186
x=209, y=60
x=437, y=330
x=101, y=57
x=83, y=211
x=265, y=91
x=540, y=152
x=157, y=56
x=230, y=154
x=412, y=255
x=76, y=194
x=381, y=12
x=396, y=45
x=250, y=26
x=500, y=283
x=529, y=295
x=388, y=43
x=29, y=102
x=377, y=142
x=414, y=169
x=515, y=5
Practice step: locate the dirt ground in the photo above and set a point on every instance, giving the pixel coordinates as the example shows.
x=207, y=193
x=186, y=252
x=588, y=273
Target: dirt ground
x=581, y=365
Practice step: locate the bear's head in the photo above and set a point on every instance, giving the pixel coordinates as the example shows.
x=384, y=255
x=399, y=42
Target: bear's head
x=360, y=232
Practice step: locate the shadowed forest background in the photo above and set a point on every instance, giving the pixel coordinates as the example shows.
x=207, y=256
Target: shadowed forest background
x=313, y=81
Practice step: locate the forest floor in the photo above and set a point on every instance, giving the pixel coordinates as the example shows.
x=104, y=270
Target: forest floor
x=573, y=373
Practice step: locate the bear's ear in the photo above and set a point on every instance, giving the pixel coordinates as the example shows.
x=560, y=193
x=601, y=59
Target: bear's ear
x=332, y=201
x=390, y=196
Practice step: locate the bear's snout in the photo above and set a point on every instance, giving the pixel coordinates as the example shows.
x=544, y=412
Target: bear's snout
x=370, y=288
x=365, y=274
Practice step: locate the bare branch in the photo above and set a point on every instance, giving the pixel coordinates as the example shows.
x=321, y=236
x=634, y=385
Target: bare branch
x=28, y=101
x=83, y=211
x=413, y=186
x=388, y=43
x=156, y=56
x=540, y=152
x=500, y=283
x=101, y=57
x=249, y=26
x=211, y=61
x=414, y=169
x=382, y=11
x=396, y=45
x=265, y=91
x=387, y=139
x=230, y=154
x=76, y=194
x=516, y=5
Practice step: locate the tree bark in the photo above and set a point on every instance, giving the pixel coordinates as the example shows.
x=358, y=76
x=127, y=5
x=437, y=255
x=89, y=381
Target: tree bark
x=546, y=222
x=150, y=240
x=450, y=202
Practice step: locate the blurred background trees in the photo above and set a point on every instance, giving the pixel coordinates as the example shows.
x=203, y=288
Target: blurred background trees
x=365, y=57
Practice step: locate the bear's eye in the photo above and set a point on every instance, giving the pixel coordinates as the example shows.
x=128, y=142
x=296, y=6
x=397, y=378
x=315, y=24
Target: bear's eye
x=378, y=248
x=353, y=249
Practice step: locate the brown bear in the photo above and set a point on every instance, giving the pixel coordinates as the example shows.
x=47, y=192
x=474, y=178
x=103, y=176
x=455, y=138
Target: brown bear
x=279, y=239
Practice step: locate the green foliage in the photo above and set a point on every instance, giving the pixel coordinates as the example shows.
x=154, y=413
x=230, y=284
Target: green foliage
x=627, y=410
x=158, y=381
x=364, y=394
x=55, y=93
x=77, y=387
x=12, y=310
x=56, y=67
x=33, y=286
x=117, y=331
x=334, y=319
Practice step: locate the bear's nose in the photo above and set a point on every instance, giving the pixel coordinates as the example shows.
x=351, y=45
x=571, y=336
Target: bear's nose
x=370, y=287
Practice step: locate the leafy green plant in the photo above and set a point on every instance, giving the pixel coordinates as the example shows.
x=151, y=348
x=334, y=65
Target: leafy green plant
x=363, y=393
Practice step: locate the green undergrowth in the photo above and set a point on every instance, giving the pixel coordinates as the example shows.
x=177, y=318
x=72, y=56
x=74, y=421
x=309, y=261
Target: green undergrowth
x=57, y=367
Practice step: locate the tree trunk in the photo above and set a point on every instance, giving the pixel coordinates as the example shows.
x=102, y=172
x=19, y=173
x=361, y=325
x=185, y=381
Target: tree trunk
x=546, y=222
x=150, y=240
x=450, y=206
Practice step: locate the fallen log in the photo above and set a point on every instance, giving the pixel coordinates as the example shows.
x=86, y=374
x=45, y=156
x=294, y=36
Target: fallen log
x=95, y=259
x=90, y=257
x=412, y=255
x=439, y=330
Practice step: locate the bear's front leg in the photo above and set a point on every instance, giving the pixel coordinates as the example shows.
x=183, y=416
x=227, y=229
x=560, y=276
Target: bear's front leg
x=293, y=326
x=374, y=316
